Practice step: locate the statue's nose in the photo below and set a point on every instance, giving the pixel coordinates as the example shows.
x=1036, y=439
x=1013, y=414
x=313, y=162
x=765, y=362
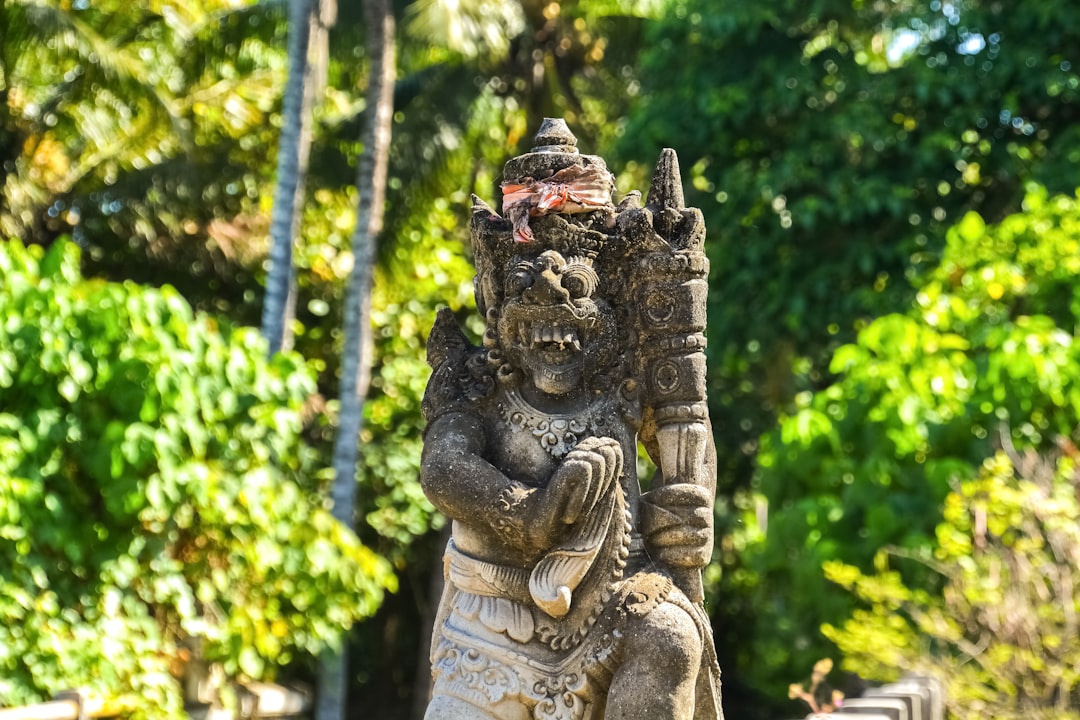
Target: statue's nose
x=547, y=288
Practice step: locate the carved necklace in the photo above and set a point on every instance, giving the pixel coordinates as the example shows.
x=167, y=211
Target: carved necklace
x=556, y=433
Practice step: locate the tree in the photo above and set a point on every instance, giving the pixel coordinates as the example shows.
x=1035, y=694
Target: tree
x=167, y=113
x=1002, y=632
x=309, y=25
x=509, y=65
x=356, y=353
x=868, y=462
x=157, y=496
x=193, y=217
x=82, y=111
x=831, y=145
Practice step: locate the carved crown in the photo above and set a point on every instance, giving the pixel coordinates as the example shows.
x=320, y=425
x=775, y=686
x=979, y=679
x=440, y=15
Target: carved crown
x=556, y=198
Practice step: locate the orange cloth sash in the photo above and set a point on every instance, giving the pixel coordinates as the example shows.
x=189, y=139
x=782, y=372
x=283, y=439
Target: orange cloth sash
x=575, y=189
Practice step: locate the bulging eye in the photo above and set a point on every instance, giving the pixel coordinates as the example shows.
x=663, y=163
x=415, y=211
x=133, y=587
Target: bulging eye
x=579, y=280
x=519, y=280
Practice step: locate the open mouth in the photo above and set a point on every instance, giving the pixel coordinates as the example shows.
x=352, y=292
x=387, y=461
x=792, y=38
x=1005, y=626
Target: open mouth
x=555, y=343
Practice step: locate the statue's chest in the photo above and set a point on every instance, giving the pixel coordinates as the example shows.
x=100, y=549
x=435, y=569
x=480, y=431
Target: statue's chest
x=527, y=444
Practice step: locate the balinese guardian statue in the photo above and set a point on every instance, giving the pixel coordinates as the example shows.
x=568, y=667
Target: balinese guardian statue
x=573, y=589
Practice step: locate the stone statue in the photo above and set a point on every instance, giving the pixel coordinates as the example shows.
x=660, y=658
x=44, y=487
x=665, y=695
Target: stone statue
x=571, y=592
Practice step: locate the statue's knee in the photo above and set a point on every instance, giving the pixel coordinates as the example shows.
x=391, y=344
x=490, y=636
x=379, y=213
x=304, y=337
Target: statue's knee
x=669, y=637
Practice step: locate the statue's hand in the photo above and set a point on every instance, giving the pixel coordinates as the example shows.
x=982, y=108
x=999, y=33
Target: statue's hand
x=676, y=522
x=585, y=475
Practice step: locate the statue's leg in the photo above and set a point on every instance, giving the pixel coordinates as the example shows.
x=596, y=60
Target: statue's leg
x=446, y=707
x=657, y=678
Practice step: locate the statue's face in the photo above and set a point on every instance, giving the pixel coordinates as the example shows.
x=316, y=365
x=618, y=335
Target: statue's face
x=551, y=324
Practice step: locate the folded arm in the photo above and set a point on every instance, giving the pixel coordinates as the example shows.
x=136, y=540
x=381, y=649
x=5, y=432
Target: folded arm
x=467, y=488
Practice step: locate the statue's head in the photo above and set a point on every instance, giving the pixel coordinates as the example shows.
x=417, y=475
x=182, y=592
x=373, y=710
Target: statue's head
x=537, y=280
x=551, y=327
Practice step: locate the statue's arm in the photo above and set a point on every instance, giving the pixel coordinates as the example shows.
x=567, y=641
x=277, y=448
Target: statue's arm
x=467, y=488
x=676, y=517
x=454, y=474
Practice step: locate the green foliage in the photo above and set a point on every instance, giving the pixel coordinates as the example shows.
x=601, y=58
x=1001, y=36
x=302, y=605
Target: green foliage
x=177, y=165
x=155, y=491
x=144, y=130
x=424, y=267
x=1002, y=633
x=428, y=268
x=919, y=398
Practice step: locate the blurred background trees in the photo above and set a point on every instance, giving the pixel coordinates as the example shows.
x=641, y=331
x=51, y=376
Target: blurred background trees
x=985, y=357
x=870, y=335
x=1002, y=632
x=832, y=146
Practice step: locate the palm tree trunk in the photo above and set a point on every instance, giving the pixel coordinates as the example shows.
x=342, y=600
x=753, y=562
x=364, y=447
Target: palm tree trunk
x=308, y=33
x=357, y=351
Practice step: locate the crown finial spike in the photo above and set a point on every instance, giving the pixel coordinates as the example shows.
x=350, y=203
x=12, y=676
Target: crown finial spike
x=554, y=136
x=666, y=190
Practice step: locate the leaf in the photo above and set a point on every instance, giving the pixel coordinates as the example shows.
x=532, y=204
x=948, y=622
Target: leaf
x=251, y=664
x=971, y=227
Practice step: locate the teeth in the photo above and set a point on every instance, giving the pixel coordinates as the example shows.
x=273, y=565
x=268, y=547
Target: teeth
x=554, y=358
x=537, y=335
x=561, y=336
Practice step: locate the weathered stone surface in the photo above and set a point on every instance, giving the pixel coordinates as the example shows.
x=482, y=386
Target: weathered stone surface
x=572, y=592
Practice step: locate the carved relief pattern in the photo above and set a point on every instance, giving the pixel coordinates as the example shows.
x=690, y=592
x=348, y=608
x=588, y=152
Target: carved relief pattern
x=560, y=698
x=557, y=434
x=509, y=512
x=473, y=676
x=488, y=677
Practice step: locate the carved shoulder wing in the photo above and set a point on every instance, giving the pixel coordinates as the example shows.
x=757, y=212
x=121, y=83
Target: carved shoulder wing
x=446, y=340
x=458, y=375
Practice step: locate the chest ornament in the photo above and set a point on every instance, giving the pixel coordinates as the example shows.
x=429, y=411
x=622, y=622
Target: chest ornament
x=556, y=433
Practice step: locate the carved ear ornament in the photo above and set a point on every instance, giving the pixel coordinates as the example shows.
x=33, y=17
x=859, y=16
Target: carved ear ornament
x=579, y=278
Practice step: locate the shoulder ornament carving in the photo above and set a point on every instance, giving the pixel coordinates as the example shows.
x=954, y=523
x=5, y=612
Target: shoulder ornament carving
x=462, y=373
